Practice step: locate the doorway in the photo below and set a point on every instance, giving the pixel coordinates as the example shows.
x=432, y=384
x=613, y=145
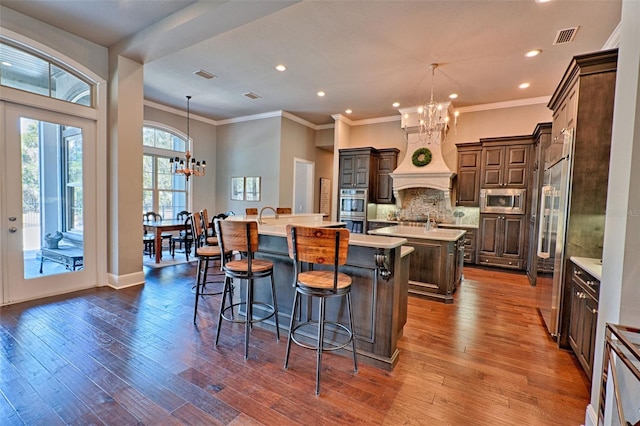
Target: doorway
x=48, y=202
x=303, y=175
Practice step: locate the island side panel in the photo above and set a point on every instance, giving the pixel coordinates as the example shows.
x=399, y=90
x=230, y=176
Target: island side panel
x=379, y=305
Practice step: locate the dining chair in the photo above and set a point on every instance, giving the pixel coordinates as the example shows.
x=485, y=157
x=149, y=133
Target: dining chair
x=283, y=210
x=317, y=254
x=184, y=238
x=151, y=216
x=251, y=211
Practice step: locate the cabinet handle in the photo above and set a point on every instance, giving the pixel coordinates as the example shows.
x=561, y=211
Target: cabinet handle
x=510, y=263
x=594, y=311
x=578, y=272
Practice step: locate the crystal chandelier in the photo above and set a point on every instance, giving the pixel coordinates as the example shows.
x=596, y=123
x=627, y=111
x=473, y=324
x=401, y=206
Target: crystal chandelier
x=187, y=166
x=433, y=117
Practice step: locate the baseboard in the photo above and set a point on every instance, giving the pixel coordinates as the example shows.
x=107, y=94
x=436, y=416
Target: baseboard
x=119, y=282
x=591, y=417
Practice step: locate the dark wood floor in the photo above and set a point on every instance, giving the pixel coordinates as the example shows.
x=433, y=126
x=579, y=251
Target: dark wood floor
x=134, y=357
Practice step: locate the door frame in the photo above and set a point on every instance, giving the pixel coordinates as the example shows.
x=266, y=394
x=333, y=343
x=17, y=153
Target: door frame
x=305, y=185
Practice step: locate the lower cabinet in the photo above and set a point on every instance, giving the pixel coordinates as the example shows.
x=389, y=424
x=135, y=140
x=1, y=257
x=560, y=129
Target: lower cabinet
x=374, y=224
x=585, y=290
x=502, y=240
x=436, y=268
x=469, y=242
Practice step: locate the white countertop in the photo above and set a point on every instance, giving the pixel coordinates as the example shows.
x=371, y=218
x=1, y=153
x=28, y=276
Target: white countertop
x=592, y=266
x=374, y=241
x=438, y=234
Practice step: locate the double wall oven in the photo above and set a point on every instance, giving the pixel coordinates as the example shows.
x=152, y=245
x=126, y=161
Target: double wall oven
x=353, y=209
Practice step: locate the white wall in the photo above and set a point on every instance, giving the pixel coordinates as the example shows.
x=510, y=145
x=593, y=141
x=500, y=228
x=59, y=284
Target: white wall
x=298, y=141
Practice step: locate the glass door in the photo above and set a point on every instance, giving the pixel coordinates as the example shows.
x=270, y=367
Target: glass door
x=49, y=203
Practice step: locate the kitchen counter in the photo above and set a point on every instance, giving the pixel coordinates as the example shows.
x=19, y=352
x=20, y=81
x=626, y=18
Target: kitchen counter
x=591, y=265
x=406, y=231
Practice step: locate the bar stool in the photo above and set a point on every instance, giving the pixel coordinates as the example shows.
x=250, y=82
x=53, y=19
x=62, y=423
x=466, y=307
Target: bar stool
x=325, y=248
x=242, y=236
x=206, y=255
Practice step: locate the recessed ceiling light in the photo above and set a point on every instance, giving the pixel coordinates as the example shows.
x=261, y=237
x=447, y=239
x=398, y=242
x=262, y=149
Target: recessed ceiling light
x=348, y=111
x=281, y=67
x=543, y=1
x=6, y=64
x=532, y=53
x=321, y=93
x=204, y=74
x=395, y=104
x=524, y=85
x=453, y=96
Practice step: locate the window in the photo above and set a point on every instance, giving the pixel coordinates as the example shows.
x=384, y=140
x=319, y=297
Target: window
x=163, y=192
x=72, y=179
x=27, y=71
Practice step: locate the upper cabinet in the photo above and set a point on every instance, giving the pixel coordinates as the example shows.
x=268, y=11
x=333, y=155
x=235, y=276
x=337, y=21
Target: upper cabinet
x=506, y=162
x=358, y=168
x=468, y=174
x=387, y=163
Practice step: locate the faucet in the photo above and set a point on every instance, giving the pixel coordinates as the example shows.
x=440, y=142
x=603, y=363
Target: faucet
x=432, y=223
x=262, y=210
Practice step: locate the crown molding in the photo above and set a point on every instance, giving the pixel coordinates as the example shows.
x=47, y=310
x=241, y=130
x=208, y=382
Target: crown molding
x=180, y=112
x=507, y=104
x=614, y=39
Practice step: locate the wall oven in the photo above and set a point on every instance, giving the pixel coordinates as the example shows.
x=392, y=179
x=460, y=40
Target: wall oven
x=503, y=200
x=353, y=209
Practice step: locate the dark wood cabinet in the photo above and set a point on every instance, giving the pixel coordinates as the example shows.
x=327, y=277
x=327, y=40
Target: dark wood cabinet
x=506, y=162
x=387, y=163
x=436, y=268
x=468, y=174
x=585, y=291
x=469, y=242
x=356, y=166
x=502, y=241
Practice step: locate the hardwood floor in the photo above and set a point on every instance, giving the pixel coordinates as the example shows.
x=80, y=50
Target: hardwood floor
x=134, y=357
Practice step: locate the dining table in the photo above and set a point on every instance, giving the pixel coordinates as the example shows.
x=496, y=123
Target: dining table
x=157, y=227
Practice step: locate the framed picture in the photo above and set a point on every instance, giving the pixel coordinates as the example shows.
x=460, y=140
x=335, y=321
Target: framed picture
x=237, y=188
x=252, y=188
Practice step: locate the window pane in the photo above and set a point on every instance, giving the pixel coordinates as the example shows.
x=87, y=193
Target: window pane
x=24, y=71
x=147, y=201
x=68, y=87
x=148, y=136
x=147, y=172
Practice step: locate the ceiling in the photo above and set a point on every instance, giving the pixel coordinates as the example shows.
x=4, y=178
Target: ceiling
x=364, y=55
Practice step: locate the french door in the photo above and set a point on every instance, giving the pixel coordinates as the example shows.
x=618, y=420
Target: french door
x=48, y=203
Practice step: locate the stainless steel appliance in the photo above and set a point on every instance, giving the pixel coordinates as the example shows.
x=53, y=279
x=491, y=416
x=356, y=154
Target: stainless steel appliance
x=555, y=198
x=503, y=200
x=353, y=209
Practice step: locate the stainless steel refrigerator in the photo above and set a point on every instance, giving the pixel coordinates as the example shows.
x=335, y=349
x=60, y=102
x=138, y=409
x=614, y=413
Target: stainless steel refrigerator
x=555, y=198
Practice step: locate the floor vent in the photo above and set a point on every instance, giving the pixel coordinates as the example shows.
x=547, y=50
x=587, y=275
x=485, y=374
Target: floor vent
x=252, y=95
x=565, y=36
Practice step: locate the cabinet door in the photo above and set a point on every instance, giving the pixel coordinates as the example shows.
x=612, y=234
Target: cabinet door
x=492, y=167
x=347, y=170
x=588, y=334
x=516, y=166
x=386, y=165
x=361, y=177
x=468, y=179
x=575, y=320
x=490, y=232
x=513, y=233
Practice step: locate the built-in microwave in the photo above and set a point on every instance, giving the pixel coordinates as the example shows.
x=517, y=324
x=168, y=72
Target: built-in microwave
x=353, y=203
x=503, y=200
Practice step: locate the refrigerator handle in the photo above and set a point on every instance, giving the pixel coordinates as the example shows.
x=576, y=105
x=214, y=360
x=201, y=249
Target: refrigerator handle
x=542, y=251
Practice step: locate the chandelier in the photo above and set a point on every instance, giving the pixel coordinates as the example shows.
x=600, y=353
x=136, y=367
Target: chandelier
x=433, y=117
x=187, y=166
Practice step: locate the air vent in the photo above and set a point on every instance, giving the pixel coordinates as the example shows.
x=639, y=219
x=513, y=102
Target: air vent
x=252, y=95
x=204, y=74
x=565, y=36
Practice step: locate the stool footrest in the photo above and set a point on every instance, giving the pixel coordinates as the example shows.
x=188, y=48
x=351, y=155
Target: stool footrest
x=270, y=312
x=324, y=348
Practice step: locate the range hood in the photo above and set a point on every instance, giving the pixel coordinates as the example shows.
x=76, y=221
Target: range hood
x=436, y=175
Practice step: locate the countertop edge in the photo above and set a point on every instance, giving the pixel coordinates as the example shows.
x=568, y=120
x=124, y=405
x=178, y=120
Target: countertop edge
x=591, y=265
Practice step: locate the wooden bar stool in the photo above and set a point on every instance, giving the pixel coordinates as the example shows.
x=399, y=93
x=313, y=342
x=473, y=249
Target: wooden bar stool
x=206, y=255
x=242, y=236
x=324, y=250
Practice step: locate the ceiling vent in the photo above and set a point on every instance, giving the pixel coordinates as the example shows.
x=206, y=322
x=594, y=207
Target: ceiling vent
x=565, y=36
x=204, y=74
x=252, y=95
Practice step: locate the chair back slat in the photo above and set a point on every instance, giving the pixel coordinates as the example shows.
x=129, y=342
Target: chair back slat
x=283, y=210
x=198, y=230
x=238, y=235
x=251, y=211
x=318, y=245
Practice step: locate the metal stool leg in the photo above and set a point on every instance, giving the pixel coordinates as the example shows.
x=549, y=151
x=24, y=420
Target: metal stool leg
x=225, y=291
x=248, y=318
x=320, y=344
x=195, y=308
x=296, y=299
x=275, y=307
x=353, y=334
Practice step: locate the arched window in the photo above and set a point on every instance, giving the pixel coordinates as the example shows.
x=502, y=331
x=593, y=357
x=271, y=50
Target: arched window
x=163, y=192
x=25, y=70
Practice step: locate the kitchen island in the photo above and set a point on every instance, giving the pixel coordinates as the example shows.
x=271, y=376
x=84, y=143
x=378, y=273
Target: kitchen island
x=379, y=268
x=437, y=261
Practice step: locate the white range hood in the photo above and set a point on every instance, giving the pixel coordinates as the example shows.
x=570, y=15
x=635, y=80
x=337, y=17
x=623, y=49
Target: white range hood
x=436, y=175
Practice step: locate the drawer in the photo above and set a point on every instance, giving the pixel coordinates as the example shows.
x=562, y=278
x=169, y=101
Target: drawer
x=586, y=281
x=501, y=262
